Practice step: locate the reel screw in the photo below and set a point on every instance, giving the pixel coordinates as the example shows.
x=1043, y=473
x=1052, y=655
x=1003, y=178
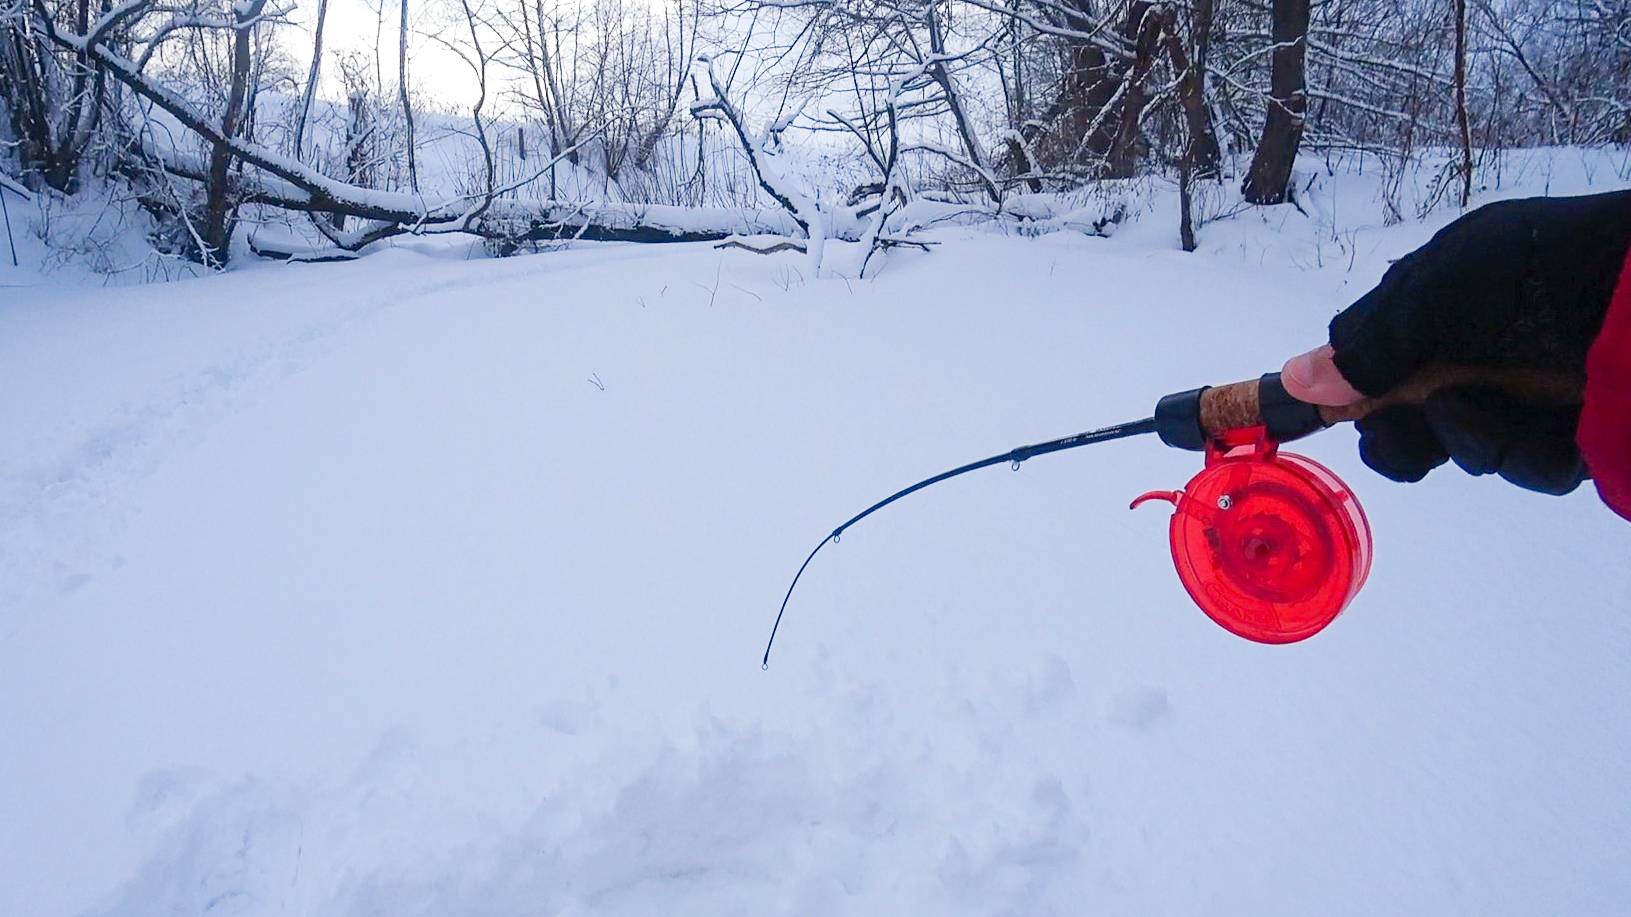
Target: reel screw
x=1225, y=501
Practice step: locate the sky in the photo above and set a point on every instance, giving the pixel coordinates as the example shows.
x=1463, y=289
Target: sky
x=352, y=25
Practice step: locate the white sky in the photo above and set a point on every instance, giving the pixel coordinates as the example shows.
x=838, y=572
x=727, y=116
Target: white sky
x=433, y=70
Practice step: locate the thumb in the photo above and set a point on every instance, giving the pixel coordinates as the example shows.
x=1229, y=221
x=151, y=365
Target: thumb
x=1313, y=378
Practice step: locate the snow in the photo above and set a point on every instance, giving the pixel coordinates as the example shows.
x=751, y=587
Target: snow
x=342, y=589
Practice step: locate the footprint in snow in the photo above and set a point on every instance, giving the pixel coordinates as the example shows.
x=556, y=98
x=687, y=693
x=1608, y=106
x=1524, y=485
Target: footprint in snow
x=163, y=797
x=73, y=582
x=1050, y=688
x=562, y=716
x=1137, y=708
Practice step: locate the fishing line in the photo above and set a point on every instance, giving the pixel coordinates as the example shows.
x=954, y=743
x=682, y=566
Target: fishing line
x=1014, y=457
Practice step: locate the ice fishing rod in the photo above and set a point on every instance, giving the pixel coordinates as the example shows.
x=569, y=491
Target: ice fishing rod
x=1271, y=545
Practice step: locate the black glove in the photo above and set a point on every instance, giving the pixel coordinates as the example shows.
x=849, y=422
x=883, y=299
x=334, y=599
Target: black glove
x=1515, y=285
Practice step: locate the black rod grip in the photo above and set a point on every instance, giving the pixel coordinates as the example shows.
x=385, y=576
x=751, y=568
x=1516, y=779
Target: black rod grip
x=1189, y=420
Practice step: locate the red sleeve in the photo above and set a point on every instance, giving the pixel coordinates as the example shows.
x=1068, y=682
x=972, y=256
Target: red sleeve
x=1605, y=421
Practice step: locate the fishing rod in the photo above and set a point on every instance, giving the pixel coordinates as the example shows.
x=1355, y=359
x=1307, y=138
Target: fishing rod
x=1014, y=457
x=1272, y=546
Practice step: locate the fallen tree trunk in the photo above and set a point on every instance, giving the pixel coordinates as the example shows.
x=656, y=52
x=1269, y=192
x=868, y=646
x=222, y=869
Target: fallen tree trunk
x=519, y=223
x=508, y=222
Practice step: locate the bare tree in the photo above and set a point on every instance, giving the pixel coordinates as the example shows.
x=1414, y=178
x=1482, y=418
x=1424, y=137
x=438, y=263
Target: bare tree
x=402, y=91
x=1202, y=155
x=311, y=77
x=220, y=204
x=1268, y=181
x=1461, y=118
x=54, y=99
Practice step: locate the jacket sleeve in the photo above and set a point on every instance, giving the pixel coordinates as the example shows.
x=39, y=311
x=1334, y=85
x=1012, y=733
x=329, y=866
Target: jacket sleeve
x=1604, y=434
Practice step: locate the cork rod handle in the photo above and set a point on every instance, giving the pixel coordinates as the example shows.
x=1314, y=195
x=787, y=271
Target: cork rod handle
x=1236, y=405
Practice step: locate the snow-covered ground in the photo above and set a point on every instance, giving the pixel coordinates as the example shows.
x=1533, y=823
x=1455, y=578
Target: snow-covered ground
x=424, y=585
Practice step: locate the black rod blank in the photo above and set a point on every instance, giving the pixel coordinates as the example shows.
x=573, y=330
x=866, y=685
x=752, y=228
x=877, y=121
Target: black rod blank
x=1013, y=457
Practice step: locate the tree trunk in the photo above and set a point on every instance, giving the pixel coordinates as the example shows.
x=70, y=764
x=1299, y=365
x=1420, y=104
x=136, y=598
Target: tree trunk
x=1270, y=175
x=1186, y=198
x=1143, y=21
x=1088, y=86
x=1202, y=148
x=1019, y=108
x=220, y=204
x=1201, y=35
x=402, y=90
x=1461, y=101
x=965, y=130
x=311, y=78
x=26, y=103
x=62, y=164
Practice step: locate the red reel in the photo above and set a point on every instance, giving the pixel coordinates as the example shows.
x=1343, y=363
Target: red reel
x=1271, y=545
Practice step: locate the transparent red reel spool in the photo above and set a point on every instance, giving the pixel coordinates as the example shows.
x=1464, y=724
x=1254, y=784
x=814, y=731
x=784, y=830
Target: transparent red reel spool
x=1271, y=545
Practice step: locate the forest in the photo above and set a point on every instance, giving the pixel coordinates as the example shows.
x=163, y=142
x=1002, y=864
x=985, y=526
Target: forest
x=770, y=124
